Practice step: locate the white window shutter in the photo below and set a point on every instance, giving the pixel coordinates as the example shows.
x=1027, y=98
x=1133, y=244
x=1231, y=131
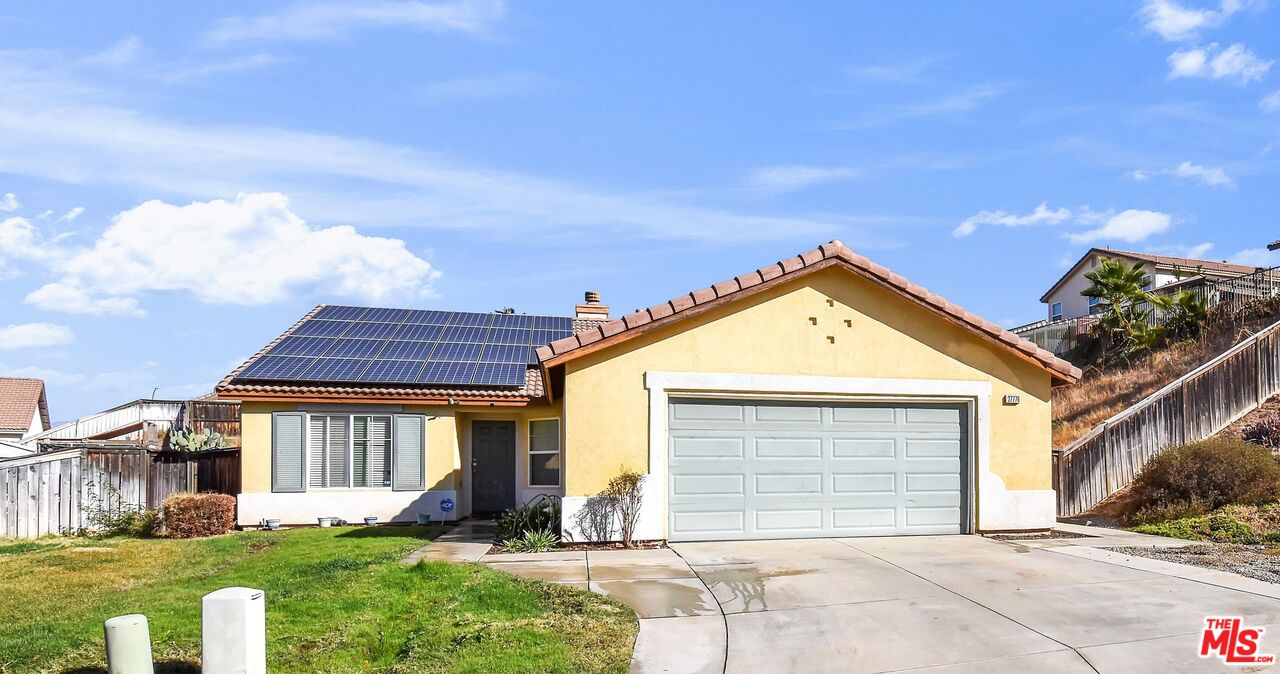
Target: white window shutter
x=288, y=455
x=407, y=472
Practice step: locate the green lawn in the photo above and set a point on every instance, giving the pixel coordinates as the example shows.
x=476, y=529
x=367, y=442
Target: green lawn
x=337, y=601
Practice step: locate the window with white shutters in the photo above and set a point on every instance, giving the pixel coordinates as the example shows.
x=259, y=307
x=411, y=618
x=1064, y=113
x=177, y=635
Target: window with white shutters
x=371, y=451
x=328, y=454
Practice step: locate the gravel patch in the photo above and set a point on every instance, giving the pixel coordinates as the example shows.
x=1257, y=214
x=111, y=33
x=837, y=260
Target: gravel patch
x=1261, y=562
x=1037, y=536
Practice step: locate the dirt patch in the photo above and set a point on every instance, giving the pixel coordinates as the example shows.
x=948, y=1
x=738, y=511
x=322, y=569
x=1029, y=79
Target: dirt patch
x=1261, y=562
x=586, y=547
x=1036, y=536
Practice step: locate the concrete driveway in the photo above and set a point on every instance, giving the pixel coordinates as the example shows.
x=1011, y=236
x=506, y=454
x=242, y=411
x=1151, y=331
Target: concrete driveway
x=952, y=604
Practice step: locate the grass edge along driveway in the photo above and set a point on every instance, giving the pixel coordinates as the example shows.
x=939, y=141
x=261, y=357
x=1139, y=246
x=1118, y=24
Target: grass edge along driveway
x=338, y=600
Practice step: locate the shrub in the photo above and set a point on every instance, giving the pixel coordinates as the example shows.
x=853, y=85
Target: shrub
x=624, y=496
x=1223, y=526
x=106, y=514
x=1265, y=432
x=195, y=515
x=541, y=514
x=1197, y=478
x=534, y=541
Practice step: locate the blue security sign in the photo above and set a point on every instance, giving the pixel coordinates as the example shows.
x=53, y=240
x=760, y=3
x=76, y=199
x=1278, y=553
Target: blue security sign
x=446, y=504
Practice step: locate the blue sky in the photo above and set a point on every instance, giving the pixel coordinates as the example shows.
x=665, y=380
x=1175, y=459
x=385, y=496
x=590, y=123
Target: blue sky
x=187, y=180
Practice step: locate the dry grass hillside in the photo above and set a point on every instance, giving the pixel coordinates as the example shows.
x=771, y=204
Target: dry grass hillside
x=1104, y=393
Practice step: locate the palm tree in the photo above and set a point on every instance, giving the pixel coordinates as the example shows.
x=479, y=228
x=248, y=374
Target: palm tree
x=1117, y=289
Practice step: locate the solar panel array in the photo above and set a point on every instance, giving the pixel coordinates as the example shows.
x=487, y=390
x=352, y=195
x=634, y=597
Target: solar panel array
x=362, y=345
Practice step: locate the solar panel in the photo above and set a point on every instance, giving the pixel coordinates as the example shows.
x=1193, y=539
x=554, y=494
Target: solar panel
x=399, y=350
x=471, y=320
x=355, y=348
x=409, y=346
x=504, y=353
x=320, y=328
x=335, y=369
x=392, y=371
x=428, y=317
x=456, y=351
x=340, y=313
x=384, y=315
x=513, y=321
x=302, y=346
x=277, y=367
x=541, y=337
x=420, y=333
x=463, y=334
x=499, y=374
x=552, y=323
x=507, y=336
x=446, y=373
x=370, y=330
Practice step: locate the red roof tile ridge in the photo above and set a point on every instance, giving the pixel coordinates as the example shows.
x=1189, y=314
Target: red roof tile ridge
x=833, y=250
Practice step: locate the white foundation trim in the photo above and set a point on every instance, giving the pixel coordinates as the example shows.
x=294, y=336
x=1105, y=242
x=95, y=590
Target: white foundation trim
x=996, y=507
x=352, y=505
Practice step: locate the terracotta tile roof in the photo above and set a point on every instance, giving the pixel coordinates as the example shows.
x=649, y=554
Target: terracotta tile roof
x=20, y=399
x=1188, y=264
x=827, y=255
x=230, y=388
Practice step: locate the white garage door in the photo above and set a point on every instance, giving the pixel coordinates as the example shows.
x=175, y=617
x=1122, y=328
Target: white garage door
x=772, y=469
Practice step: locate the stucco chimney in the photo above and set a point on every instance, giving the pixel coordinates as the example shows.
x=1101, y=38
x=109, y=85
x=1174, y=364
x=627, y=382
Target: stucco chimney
x=591, y=307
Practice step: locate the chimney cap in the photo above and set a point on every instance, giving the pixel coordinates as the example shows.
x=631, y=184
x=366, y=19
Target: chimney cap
x=592, y=297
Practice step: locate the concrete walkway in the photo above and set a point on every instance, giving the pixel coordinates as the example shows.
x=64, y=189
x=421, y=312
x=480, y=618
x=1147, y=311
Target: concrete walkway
x=952, y=604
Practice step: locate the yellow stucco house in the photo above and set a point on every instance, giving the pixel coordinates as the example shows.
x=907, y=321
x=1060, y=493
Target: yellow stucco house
x=820, y=396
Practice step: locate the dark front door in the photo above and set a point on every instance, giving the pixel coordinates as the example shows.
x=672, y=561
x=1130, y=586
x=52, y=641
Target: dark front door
x=493, y=466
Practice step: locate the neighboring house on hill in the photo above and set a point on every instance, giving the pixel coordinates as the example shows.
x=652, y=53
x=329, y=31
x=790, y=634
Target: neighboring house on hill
x=1064, y=301
x=819, y=396
x=24, y=412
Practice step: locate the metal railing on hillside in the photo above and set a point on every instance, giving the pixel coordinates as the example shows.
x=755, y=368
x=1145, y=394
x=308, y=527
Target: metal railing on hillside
x=1059, y=337
x=1190, y=408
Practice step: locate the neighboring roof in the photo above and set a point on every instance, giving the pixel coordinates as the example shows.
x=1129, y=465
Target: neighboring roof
x=1211, y=267
x=831, y=254
x=20, y=398
x=234, y=388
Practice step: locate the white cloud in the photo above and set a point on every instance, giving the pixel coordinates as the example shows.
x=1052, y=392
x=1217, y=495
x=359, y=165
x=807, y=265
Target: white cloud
x=1270, y=102
x=1132, y=226
x=123, y=52
x=1176, y=23
x=331, y=20
x=898, y=72
x=1193, y=251
x=253, y=250
x=9, y=202
x=72, y=214
x=797, y=176
x=1212, y=176
x=961, y=102
x=57, y=128
x=491, y=86
x=34, y=335
x=1258, y=257
x=1234, y=62
x=1209, y=176
x=72, y=299
x=181, y=72
x=1042, y=215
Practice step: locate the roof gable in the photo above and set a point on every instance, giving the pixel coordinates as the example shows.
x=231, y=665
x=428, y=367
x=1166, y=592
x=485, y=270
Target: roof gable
x=20, y=400
x=1189, y=264
x=828, y=255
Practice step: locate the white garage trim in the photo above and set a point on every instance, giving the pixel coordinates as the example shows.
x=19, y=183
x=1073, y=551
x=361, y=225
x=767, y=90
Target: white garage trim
x=997, y=507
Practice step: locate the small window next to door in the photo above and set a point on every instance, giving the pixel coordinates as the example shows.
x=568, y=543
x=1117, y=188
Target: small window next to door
x=544, y=453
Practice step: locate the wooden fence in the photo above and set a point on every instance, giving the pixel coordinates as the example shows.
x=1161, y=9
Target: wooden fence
x=55, y=492
x=1192, y=407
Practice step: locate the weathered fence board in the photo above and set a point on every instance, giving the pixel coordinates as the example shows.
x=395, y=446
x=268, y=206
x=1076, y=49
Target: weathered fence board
x=51, y=493
x=1193, y=407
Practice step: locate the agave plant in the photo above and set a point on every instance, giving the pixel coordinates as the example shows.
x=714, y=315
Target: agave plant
x=187, y=440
